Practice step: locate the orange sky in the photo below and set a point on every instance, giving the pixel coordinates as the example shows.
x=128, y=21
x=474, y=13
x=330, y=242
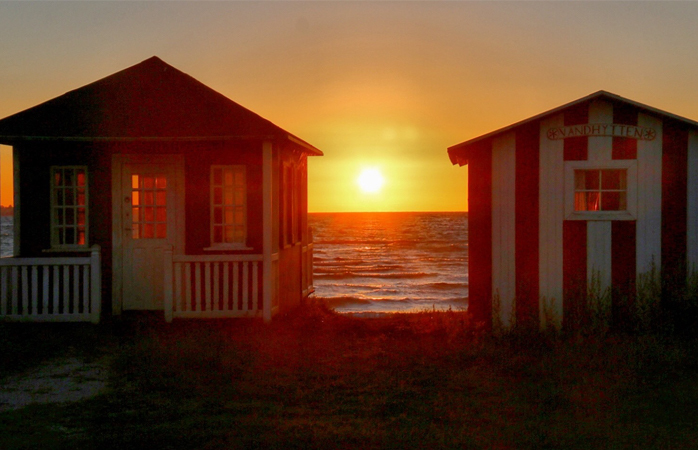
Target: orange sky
x=388, y=85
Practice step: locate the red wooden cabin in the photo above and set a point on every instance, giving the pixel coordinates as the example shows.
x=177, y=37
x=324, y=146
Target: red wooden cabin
x=147, y=190
x=596, y=192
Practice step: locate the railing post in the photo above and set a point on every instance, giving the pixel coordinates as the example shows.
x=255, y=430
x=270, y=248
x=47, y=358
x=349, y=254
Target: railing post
x=95, y=283
x=167, y=278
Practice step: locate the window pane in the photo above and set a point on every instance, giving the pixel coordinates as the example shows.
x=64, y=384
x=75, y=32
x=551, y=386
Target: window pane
x=69, y=197
x=610, y=201
x=148, y=198
x=81, y=236
x=227, y=192
x=57, y=178
x=135, y=212
x=81, y=177
x=161, y=198
x=69, y=236
x=610, y=179
x=161, y=182
x=134, y=181
x=68, y=180
x=580, y=201
x=592, y=201
x=591, y=179
x=148, y=182
x=59, y=197
x=135, y=198
x=149, y=215
x=81, y=197
x=70, y=216
x=228, y=195
x=217, y=215
x=81, y=216
x=161, y=231
x=148, y=231
x=161, y=214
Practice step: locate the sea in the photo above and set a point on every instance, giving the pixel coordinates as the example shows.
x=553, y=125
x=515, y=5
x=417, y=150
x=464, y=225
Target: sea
x=383, y=262
x=6, y=236
x=386, y=262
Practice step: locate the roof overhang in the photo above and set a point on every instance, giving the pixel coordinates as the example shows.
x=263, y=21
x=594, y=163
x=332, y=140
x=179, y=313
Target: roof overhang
x=459, y=153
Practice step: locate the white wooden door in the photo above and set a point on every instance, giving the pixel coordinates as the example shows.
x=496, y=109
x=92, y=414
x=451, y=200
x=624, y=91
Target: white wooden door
x=148, y=222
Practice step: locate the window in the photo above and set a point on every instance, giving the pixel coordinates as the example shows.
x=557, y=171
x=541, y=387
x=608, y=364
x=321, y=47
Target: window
x=601, y=191
x=69, y=210
x=149, y=206
x=228, y=207
x=291, y=204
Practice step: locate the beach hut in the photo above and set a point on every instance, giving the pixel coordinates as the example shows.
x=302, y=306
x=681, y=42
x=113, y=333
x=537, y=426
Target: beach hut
x=591, y=197
x=147, y=190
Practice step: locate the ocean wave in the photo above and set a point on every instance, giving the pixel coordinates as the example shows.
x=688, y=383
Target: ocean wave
x=443, y=285
x=345, y=275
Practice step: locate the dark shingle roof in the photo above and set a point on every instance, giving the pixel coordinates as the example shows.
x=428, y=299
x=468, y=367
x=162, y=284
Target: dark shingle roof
x=151, y=100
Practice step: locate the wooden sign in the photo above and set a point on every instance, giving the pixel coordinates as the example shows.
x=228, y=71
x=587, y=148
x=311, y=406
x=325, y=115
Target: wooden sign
x=602, y=129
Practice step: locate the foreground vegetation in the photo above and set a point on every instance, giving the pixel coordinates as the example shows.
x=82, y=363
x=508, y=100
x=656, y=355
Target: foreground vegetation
x=316, y=379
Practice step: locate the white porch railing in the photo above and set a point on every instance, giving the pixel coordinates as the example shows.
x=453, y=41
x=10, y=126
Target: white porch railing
x=212, y=286
x=66, y=289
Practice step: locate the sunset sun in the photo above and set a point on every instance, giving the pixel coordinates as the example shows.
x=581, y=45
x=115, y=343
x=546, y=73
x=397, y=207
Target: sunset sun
x=370, y=180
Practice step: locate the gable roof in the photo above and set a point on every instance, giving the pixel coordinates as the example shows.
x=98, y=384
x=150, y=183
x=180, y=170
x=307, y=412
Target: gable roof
x=459, y=153
x=149, y=101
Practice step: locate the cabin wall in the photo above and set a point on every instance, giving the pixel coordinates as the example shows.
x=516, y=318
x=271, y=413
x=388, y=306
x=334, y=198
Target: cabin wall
x=35, y=161
x=198, y=160
x=553, y=271
x=292, y=225
x=480, y=233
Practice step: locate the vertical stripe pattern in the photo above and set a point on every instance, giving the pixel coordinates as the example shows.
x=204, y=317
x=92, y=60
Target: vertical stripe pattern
x=504, y=224
x=649, y=197
x=551, y=203
x=527, y=211
x=480, y=234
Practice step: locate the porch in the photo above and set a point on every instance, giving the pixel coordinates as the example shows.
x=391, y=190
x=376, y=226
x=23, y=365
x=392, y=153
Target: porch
x=226, y=286
x=65, y=289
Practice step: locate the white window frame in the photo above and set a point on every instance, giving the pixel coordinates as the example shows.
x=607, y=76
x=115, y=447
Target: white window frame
x=239, y=245
x=630, y=213
x=55, y=227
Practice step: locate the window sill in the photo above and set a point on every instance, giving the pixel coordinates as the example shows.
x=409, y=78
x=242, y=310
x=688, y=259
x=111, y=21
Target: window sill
x=601, y=215
x=227, y=247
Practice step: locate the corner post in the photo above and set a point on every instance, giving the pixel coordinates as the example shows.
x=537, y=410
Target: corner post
x=267, y=230
x=95, y=283
x=167, y=281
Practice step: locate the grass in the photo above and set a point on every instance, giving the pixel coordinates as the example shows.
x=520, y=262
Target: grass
x=316, y=379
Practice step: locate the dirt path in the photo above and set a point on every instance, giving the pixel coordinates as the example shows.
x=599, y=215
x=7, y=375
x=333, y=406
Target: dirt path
x=66, y=379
